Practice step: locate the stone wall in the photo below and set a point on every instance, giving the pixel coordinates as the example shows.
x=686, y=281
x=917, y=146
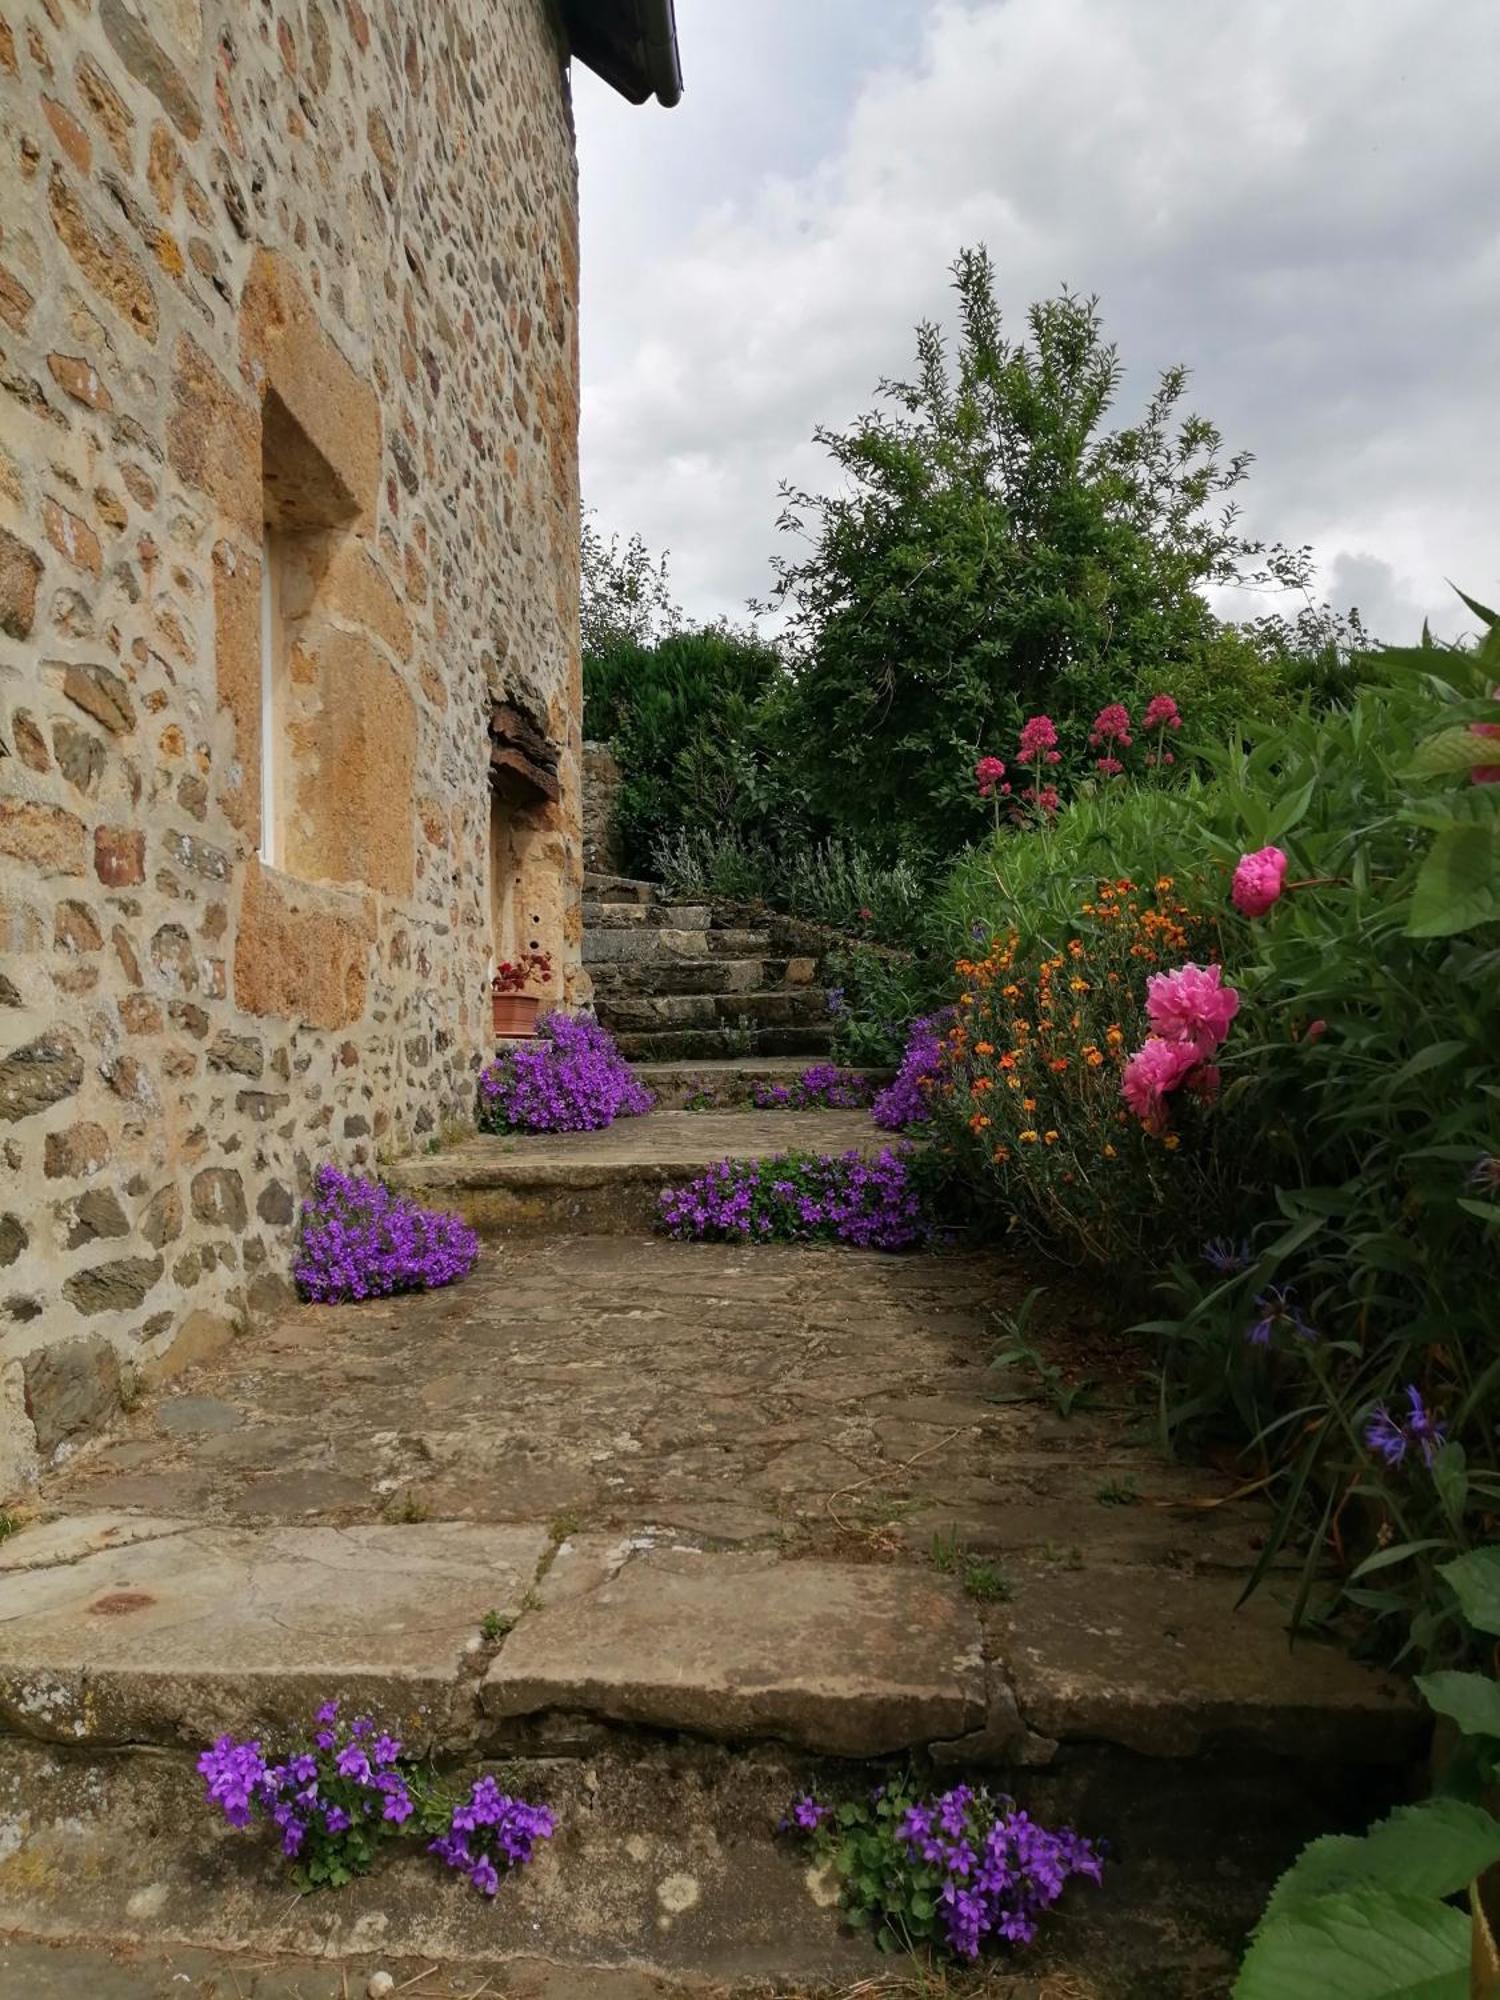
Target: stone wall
x=292, y=279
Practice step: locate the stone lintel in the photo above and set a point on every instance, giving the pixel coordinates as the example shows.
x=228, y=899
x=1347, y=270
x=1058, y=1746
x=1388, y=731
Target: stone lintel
x=512, y=771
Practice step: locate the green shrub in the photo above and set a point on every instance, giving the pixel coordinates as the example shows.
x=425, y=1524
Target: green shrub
x=691, y=721
x=830, y=882
x=1357, y=1123
x=990, y=548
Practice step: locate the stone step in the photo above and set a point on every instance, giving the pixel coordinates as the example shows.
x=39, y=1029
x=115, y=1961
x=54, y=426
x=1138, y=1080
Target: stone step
x=608, y=1182
x=616, y=889
x=650, y=944
x=726, y=1085
x=702, y=975
x=665, y=1880
x=602, y=916
x=651, y=1013
x=182, y=1631
x=671, y=1045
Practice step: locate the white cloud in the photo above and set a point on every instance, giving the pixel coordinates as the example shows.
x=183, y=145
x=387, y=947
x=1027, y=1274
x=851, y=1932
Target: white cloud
x=1298, y=202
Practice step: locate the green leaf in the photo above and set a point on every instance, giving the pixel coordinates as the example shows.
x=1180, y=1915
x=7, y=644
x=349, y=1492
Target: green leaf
x=1451, y=751
x=1432, y=1057
x=1470, y=1700
x=1432, y=1849
x=1487, y=1211
x=1458, y=885
x=1384, y=1558
x=1474, y=1579
x=1366, y=1945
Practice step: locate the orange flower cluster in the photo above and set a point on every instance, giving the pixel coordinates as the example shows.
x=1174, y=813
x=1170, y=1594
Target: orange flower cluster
x=1029, y=1089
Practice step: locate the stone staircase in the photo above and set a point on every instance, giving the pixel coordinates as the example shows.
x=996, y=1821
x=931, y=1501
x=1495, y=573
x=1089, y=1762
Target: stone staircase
x=685, y=982
x=671, y=1533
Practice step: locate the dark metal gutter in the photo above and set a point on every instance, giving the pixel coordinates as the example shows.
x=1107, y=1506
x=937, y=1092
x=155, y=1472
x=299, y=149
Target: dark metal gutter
x=632, y=44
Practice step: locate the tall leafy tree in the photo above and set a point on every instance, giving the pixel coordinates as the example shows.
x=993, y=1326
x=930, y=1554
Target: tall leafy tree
x=993, y=549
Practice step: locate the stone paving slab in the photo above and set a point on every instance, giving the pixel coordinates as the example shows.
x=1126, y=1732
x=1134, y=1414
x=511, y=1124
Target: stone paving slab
x=1164, y=1664
x=177, y=1637
x=658, y=1148
x=845, y=1660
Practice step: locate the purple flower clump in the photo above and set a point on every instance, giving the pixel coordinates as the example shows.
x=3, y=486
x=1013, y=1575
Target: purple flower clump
x=572, y=1079
x=986, y=1868
x=821, y=1087
x=802, y=1198
x=337, y=1794
x=334, y=1798
x=361, y=1241
x=491, y=1831
x=905, y=1101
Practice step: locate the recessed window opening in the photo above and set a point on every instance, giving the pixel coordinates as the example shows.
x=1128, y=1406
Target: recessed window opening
x=272, y=720
x=306, y=511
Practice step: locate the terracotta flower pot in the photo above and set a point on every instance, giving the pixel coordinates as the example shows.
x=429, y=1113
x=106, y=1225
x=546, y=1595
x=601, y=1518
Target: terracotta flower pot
x=515, y=1013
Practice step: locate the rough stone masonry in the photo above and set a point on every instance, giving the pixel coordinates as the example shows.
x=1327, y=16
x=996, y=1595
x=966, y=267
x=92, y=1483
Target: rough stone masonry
x=285, y=286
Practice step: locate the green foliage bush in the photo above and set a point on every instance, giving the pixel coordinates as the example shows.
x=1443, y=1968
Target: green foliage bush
x=692, y=723
x=830, y=882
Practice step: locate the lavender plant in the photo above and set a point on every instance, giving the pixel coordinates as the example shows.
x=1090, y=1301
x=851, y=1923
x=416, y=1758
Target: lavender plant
x=360, y=1241
x=821, y=1087
x=952, y=1872
x=571, y=1079
x=337, y=1795
x=802, y=1198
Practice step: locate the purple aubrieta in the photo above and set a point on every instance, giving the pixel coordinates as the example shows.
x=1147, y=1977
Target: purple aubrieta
x=841, y=1198
x=359, y=1240
x=906, y=1101
x=571, y=1079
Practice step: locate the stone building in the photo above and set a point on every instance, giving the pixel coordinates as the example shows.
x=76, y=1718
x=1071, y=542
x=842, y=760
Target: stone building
x=289, y=678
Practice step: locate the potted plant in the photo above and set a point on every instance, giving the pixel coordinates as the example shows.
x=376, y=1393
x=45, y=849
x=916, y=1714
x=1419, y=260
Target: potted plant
x=515, y=1010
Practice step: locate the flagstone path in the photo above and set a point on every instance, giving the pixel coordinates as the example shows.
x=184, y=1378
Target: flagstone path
x=682, y=1522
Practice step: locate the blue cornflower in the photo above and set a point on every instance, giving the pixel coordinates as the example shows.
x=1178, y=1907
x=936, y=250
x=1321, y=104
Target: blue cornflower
x=1393, y=1437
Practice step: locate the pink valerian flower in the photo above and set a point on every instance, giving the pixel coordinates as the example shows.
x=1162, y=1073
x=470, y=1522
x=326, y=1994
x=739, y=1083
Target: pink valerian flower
x=1161, y=713
x=1111, y=725
x=988, y=772
x=1038, y=742
x=1110, y=766
x=1191, y=1005
x=1152, y=1074
x=1484, y=774
x=1259, y=879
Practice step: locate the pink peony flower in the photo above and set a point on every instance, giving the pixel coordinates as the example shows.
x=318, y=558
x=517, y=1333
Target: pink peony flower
x=1161, y=713
x=1484, y=774
x=1038, y=736
x=1258, y=881
x=1191, y=1006
x=1155, y=1070
x=988, y=771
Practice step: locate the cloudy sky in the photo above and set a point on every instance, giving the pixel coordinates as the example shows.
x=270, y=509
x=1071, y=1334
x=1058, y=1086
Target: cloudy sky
x=1298, y=198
